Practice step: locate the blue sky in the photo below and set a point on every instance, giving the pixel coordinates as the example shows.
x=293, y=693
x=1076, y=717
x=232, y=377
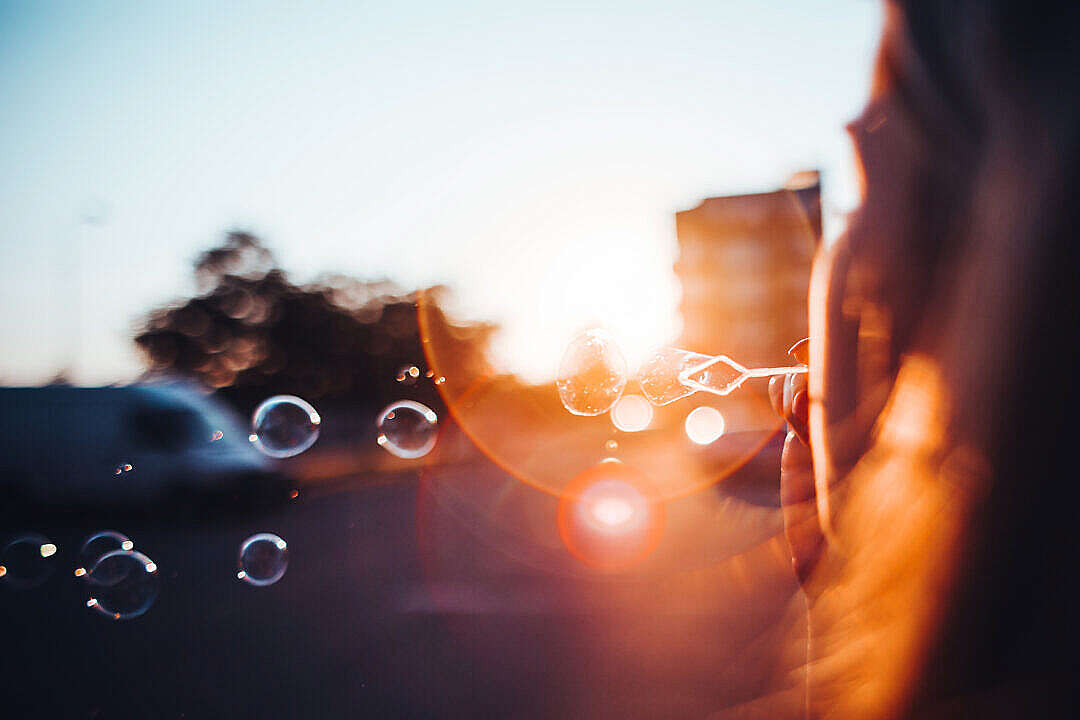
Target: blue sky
x=531, y=155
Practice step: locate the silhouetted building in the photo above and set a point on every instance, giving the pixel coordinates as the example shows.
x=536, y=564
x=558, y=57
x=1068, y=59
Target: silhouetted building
x=744, y=265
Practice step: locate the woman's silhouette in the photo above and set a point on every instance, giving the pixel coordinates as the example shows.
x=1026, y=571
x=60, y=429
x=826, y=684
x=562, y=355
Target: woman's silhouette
x=929, y=481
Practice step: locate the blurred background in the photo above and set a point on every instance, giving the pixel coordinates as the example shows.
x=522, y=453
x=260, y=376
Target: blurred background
x=207, y=207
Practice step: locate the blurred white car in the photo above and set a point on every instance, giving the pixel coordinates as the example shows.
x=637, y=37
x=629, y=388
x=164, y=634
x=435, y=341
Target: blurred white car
x=123, y=445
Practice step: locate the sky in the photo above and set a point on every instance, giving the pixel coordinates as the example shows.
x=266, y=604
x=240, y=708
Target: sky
x=529, y=155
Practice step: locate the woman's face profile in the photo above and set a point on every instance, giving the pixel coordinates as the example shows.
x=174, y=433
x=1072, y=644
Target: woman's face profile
x=888, y=148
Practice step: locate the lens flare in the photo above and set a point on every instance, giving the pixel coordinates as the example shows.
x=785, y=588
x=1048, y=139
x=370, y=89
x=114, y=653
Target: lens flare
x=608, y=517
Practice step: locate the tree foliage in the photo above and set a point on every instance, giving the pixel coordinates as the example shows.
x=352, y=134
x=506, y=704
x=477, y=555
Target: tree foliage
x=251, y=333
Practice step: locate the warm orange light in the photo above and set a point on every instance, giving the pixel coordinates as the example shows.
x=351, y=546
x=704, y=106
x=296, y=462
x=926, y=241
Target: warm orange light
x=609, y=516
x=704, y=425
x=612, y=511
x=632, y=413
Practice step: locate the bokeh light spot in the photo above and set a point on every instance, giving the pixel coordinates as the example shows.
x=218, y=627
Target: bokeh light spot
x=632, y=413
x=704, y=425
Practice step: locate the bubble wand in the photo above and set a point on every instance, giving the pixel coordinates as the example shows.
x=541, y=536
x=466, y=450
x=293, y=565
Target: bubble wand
x=672, y=374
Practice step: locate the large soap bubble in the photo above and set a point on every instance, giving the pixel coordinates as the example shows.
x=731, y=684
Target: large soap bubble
x=123, y=584
x=96, y=546
x=407, y=429
x=262, y=560
x=27, y=561
x=284, y=426
x=592, y=374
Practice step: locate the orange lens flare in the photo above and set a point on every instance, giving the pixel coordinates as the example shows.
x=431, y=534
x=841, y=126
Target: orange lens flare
x=609, y=517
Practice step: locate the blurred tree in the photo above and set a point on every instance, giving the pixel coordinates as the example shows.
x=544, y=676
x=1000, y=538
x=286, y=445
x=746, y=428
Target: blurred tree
x=251, y=333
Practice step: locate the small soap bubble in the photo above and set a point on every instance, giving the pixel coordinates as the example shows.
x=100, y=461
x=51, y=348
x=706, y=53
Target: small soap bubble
x=123, y=584
x=592, y=374
x=284, y=426
x=407, y=429
x=217, y=435
x=408, y=375
x=27, y=562
x=263, y=559
x=611, y=445
x=97, y=546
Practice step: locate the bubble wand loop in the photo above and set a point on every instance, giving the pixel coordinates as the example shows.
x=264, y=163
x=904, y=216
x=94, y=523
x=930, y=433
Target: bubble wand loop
x=672, y=374
x=723, y=384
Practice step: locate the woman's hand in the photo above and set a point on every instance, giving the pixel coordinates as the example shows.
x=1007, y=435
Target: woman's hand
x=798, y=500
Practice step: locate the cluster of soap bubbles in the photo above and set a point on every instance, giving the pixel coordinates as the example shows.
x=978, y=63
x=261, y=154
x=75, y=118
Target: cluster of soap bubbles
x=124, y=583
x=98, y=545
x=593, y=375
x=284, y=426
x=121, y=582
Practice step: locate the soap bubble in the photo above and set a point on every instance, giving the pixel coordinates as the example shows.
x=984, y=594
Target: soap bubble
x=27, y=561
x=123, y=584
x=592, y=374
x=608, y=516
x=284, y=426
x=704, y=425
x=407, y=429
x=263, y=559
x=408, y=375
x=659, y=375
x=98, y=545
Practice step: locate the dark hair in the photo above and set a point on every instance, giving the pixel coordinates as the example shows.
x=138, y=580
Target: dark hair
x=1006, y=75
x=993, y=297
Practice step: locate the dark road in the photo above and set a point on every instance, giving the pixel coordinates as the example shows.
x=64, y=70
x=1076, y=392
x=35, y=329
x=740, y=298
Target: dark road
x=419, y=594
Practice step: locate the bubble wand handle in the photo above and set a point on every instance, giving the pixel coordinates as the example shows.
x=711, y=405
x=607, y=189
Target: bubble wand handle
x=770, y=372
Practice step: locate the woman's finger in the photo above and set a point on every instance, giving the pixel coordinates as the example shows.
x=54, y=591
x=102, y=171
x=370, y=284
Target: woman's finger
x=776, y=394
x=798, y=416
x=799, y=506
